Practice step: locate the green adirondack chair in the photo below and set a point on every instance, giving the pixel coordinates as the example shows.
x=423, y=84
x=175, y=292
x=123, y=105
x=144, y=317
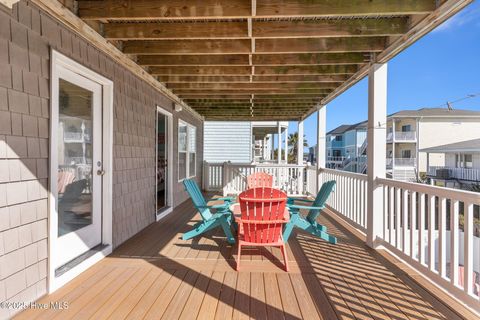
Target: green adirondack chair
x=221, y=218
x=309, y=223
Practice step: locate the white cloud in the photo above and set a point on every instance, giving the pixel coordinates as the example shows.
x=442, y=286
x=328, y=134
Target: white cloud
x=471, y=14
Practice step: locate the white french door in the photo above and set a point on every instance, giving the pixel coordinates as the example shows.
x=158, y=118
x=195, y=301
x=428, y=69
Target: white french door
x=77, y=164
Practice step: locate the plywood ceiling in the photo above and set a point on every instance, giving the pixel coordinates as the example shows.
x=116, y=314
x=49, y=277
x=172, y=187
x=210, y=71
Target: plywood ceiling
x=270, y=59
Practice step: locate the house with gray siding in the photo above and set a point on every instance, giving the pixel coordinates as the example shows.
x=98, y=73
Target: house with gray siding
x=244, y=141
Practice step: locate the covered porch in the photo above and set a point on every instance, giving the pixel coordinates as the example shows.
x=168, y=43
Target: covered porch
x=399, y=255
x=156, y=275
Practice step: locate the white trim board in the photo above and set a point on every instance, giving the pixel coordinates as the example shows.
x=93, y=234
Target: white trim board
x=58, y=60
x=163, y=213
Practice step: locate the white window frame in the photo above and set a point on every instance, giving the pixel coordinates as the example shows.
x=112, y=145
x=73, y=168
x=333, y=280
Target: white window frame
x=187, y=158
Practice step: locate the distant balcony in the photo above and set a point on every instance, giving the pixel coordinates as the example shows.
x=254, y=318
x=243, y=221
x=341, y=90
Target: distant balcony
x=399, y=136
x=467, y=174
x=339, y=159
x=402, y=162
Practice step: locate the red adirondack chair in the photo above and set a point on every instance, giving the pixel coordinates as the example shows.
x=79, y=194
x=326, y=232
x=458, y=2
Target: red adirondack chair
x=259, y=179
x=263, y=213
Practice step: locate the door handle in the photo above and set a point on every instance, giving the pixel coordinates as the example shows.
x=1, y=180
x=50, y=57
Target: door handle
x=100, y=172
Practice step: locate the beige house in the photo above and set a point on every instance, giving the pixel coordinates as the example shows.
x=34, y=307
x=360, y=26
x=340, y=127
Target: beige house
x=411, y=131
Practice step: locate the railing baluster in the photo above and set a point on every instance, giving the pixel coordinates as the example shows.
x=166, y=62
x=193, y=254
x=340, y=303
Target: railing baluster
x=413, y=224
x=391, y=215
x=431, y=232
x=468, y=248
x=405, y=246
x=442, y=249
x=454, y=233
x=398, y=213
x=421, y=229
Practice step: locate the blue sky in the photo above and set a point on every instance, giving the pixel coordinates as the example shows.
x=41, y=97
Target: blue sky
x=442, y=66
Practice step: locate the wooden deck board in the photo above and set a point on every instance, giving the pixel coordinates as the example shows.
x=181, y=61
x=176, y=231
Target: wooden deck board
x=156, y=274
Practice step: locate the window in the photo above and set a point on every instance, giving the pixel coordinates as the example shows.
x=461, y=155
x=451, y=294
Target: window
x=406, y=128
x=338, y=138
x=187, y=150
x=406, y=154
x=464, y=160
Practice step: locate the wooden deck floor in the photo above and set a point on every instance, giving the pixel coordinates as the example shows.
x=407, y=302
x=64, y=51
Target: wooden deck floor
x=156, y=275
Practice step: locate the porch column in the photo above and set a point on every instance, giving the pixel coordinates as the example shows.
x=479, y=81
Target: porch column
x=279, y=154
x=376, y=150
x=272, y=143
x=321, y=143
x=300, y=143
x=286, y=145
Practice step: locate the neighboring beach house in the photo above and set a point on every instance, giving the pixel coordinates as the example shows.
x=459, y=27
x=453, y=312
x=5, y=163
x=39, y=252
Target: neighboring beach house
x=408, y=133
x=462, y=165
x=245, y=141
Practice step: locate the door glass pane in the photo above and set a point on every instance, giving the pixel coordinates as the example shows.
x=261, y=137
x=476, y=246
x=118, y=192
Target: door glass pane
x=74, y=157
x=161, y=161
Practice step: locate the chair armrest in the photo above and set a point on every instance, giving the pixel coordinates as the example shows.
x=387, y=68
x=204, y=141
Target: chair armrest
x=294, y=206
x=217, y=206
x=300, y=200
x=229, y=199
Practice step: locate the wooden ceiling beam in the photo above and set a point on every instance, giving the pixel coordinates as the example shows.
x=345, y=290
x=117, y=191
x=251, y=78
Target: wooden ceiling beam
x=182, y=30
x=190, y=92
x=197, y=71
x=310, y=45
x=306, y=70
x=311, y=58
x=259, y=70
x=243, y=46
x=193, y=60
x=175, y=47
x=330, y=28
x=252, y=86
x=257, y=59
x=293, y=8
x=256, y=79
x=260, y=29
x=201, y=9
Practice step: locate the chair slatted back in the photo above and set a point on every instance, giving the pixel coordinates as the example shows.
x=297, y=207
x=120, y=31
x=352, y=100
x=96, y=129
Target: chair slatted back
x=259, y=179
x=320, y=200
x=197, y=198
x=262, y=212
x=65, y=177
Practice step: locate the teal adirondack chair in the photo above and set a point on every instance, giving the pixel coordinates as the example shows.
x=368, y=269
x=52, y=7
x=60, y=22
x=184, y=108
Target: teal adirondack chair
x=309, y=223
x=222, y=217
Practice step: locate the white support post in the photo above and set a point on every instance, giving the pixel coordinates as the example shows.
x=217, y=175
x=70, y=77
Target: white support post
x=300, y=143
x=272, y=143
x=279, y=153
x=321, y=142
x=286, y=145
x=376, y=150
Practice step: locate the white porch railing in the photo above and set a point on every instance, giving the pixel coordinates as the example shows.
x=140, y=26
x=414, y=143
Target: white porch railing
x=402, y=162
x=455, y=173
x=349, y=198
x=402, y=136
x=231, y=178
x=432, y=229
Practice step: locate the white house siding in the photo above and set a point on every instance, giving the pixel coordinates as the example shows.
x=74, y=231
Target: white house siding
x=435, y=132
x=227, y=141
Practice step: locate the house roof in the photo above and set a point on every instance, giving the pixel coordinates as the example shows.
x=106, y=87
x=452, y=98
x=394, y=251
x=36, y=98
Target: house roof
x=463, y=146
x=268, y=60
x=347, y=127
x=435, y=113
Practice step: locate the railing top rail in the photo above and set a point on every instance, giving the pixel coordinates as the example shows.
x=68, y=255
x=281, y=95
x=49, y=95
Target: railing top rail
x=461, y=195
x=359, y=176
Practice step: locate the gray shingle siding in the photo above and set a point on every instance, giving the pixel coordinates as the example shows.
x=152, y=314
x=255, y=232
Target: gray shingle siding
x=26, y=37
